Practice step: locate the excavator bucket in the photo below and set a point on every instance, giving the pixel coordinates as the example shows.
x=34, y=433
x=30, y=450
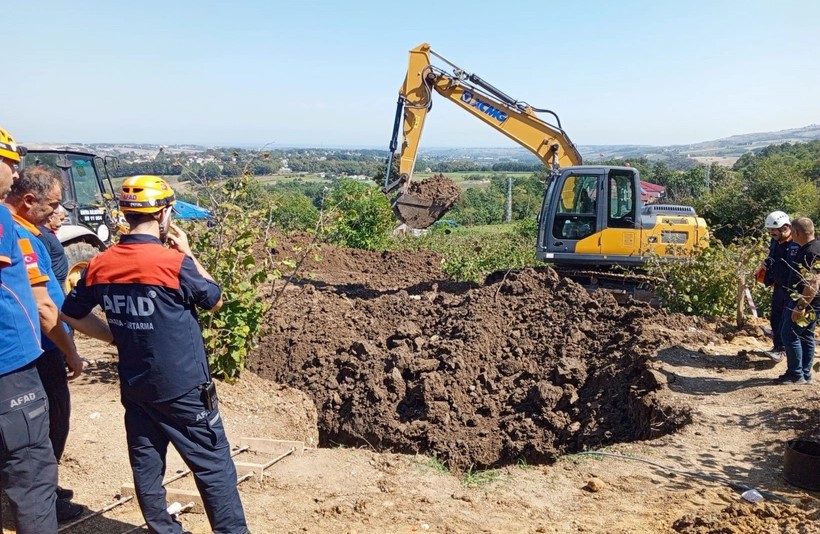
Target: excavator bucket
x=425, y=202
x=418, y=212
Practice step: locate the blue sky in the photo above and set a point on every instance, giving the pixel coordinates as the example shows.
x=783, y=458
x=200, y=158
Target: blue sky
x=327, y=73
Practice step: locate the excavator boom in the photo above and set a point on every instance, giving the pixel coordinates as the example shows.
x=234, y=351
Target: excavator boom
x=421, y=204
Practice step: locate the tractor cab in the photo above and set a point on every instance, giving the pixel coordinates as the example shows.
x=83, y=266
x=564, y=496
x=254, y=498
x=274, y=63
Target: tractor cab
x=89, y=199
x=88, y=193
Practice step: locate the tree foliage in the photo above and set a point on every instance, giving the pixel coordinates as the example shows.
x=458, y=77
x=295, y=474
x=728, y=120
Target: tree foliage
x=233, y=249
x=706, y=282
x=292, y=210
x=359, y=215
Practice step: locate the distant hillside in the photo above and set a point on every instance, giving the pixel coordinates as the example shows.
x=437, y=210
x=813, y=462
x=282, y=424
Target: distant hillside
x=736, y=145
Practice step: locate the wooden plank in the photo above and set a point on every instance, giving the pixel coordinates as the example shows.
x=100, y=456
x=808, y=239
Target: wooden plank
x=273, y=446
x=243, y=468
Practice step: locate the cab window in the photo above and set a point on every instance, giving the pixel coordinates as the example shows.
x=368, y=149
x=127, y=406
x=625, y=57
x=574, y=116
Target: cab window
x=576, y=216
x=622, y=205
x=84, y=176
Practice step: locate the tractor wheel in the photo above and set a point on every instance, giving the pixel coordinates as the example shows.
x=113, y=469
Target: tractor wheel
x=78, y=255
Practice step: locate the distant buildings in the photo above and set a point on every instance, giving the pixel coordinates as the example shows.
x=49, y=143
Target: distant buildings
x=651, y=192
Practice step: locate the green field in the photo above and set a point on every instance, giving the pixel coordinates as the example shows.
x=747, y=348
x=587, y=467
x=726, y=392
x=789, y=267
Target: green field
x=461, y=178
x=464, y=176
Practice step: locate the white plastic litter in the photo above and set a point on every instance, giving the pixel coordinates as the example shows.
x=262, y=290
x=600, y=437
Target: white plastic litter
x=752, y=495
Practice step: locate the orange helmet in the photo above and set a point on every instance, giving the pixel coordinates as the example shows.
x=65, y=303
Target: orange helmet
x=145, y=194
x=8, y=148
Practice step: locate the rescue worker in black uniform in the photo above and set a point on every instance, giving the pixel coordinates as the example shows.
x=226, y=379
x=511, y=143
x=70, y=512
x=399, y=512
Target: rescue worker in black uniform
x=149, y=294
x=776, y=271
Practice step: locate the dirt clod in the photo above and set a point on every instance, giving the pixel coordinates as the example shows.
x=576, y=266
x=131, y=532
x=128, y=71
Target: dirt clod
x=437, y=187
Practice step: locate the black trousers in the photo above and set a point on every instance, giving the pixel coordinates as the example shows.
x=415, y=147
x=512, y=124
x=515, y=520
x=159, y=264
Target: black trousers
x=52, y=370
x=198, y=435
x=780, y=297
x=28, y=469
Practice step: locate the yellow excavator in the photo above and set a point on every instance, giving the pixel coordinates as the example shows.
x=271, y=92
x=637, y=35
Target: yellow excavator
x=590, y=215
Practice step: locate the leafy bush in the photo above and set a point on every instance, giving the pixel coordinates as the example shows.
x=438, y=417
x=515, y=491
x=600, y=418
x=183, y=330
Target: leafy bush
x=233, y=249
x=527, y=227
x=359, y=215
x=293, y=211
x=470, y=257
x=706, y=283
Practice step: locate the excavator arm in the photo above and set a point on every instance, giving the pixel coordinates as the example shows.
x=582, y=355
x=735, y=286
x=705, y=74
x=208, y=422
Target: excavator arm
x=420, y=207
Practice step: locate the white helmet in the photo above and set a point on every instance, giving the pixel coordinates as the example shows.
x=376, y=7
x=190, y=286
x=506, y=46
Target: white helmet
x=777, y=219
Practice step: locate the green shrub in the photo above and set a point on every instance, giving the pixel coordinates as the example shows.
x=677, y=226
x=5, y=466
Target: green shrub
x=233, y=249
x=293, y=211
x=359, y=215
x=706, y=283
x=527, y=227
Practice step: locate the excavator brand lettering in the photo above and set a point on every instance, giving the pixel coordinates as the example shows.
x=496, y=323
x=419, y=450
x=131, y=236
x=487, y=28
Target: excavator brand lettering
x=469, y=98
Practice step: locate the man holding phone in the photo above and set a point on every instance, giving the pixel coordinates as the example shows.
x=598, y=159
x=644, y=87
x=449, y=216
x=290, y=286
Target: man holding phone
x=149, y=293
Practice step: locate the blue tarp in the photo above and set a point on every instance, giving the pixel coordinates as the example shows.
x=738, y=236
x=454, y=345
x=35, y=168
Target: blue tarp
x=188, y=211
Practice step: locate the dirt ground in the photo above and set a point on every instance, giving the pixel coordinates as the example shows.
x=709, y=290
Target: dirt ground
x=430, y=406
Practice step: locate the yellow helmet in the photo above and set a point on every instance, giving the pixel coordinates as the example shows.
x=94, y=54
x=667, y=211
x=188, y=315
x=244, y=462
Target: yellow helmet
x=8, y=148
x=145, y=194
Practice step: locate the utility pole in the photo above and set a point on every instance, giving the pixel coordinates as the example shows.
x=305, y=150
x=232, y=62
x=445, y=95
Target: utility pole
x=708, y=176
x=509, y=199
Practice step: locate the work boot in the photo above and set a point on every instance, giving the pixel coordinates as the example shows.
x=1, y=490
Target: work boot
x=67, y=510
x=776, y=355
x=65, y=493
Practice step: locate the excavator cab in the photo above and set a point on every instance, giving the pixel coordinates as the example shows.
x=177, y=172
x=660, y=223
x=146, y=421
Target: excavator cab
x=593, y=215
x=590, y=216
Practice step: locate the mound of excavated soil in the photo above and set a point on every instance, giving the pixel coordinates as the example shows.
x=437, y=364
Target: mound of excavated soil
x=745, y=518
x=526, y=368
x=329, y=264
x=438, y=187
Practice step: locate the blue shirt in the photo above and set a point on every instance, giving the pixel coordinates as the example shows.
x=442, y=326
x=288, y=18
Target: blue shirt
x=149, y=295
x=39, y=268
x=19, y=319
x=56, y=251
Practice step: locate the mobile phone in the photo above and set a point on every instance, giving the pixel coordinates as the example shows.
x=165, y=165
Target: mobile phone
x=165, y=225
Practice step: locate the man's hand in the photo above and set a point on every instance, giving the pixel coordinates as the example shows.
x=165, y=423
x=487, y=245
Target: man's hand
x=178, y=240
x=75, y=365
x=760, y=273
